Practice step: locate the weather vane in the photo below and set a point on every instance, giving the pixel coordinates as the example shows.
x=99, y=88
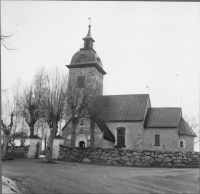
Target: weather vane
x=89, y=21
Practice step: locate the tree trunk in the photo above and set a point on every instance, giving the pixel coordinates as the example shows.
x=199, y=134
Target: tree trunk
x=92, y=139
x=31, y=129
x=5, y=143
x=49, y=150
x=45, y=144
x=73, y=132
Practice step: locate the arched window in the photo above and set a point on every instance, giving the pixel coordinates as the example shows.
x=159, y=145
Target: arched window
x=121, y=137
x=80, y=82
x=157, y=139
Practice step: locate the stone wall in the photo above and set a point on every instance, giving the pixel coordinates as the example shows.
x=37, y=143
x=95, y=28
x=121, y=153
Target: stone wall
x=18, y=151
x=130, y=157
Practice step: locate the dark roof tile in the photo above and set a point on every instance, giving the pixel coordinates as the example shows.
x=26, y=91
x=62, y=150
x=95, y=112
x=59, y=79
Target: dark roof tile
x=163, y=117
x=122, y=107
x=185, y=129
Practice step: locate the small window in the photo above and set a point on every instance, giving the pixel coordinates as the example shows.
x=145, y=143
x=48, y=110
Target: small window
x=157, y=139
x=182, y=143
x=80, y=82
x=121, y=137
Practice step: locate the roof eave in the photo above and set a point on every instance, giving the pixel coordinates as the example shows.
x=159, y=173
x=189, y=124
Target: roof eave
x=88, y=65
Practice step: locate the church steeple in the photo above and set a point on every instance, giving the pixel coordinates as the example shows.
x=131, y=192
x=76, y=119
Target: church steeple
x=88, y=40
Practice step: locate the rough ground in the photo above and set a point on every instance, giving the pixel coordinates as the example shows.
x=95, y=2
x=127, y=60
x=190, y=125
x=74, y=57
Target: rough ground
x=8, y=186
x=35, y=177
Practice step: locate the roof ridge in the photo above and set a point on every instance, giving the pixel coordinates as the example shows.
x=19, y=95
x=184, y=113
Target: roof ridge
x=165, y=107
x=125, y=95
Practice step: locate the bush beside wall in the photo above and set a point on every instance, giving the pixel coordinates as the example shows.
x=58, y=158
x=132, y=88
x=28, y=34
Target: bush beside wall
x=130, y=157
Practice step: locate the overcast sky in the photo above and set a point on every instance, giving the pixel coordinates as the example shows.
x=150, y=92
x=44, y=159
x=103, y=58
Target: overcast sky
x=155, y=44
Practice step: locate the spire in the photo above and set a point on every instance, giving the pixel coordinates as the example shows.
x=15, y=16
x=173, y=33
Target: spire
x=89, y=36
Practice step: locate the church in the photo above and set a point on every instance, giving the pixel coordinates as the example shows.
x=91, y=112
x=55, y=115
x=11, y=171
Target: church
x=124, y=121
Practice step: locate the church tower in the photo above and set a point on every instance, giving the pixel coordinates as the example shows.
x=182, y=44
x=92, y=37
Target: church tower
x=86, y=68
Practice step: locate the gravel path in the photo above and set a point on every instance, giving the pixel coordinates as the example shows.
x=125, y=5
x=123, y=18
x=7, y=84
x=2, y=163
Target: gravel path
x=33, y=176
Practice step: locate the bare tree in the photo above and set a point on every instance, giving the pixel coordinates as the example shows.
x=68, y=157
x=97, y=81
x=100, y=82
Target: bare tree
x=6, y=40
x=42, y=130
x=194, y=125
x=6, y=132
x=29, y=103
x=54, y=105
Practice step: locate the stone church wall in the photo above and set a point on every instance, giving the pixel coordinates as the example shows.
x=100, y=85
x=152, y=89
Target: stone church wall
x=189, y=141
x=168, y=138
x=133, y=133
x=143, y=158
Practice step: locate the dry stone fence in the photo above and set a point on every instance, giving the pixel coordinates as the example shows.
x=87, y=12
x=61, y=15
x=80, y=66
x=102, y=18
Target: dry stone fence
x=141, y=158
x=18, y=151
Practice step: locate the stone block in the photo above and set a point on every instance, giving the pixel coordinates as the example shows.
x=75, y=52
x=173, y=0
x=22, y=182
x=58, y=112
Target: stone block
x=78, y=157
x=96, y=156
x=173, y=158
x=128, y=154
x=169, y=164
x=158, y=160
x=117, y=158
x=190, y=159
x=132, y=159
x=138, y=163
x=176, y=161
x=165, y=155
x=167, y=160
x=171, y=155
x=147, y=157
x=198, y=159
x=126, y=158
x=184, y=162
x=142, y=157
x=128, y=163
x=114, y=155
x=86, y=160
x=160, y=156
x=93, y=153
x=151, y=160
x=147, y=153
x=103, y=157
x=135, y=154
x=114, y=162
x=109, y=161
x=179, y=158
x=137, y=159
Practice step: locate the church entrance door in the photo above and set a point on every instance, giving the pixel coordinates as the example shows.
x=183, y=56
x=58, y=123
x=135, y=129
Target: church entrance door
x=81, y=141
x=81, y=144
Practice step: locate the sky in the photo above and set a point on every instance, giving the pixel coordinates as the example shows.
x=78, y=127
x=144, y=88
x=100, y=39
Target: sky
x=154, y=44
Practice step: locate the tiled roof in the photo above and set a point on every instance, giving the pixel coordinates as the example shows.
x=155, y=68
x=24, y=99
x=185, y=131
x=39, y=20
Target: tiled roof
x=184, y=129
x=107, y=133
x=122, y=107
x=163, y=117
